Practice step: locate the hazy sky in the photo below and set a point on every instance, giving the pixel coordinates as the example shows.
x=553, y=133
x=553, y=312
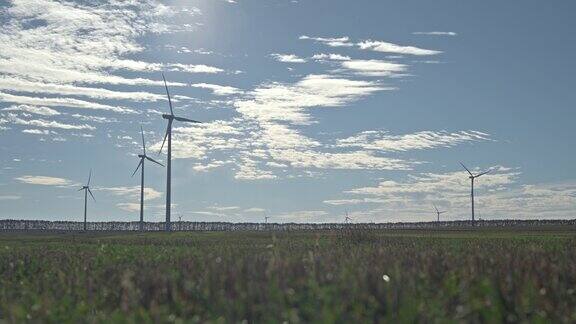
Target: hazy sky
x=311, y=108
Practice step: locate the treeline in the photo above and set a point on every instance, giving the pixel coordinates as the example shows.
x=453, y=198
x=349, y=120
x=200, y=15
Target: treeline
x=39, y=225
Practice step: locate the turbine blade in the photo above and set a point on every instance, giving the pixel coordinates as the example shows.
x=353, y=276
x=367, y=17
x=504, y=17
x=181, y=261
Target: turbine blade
x=151, y=159
x=483, y=173
x=182, y=119
x=435, y=208
x=165, y=136
x=143, y=143
x=89, y=177
x=80, y=189
x=168, y=94
x=462, y=164
x=90, y=192
x=138, y=167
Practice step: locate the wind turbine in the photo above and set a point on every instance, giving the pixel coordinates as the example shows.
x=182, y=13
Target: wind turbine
x=438, y=213
x=472, y=177
x=170, y=117
x=143, y=157
x=266, y=219
x=87, y=191
x=347, y=219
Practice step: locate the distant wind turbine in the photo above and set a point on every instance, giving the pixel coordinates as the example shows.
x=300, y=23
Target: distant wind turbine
x=266, y=218
x=87, y=191
x=438, y=213
x=472, y=177
x=143, y=157
x=347, y=219
x=170, y=117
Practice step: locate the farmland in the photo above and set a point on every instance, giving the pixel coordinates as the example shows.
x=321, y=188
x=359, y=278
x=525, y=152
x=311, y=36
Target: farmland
x=481, y=275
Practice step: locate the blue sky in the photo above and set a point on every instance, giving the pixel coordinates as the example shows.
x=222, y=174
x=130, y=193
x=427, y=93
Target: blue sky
x=311, y=108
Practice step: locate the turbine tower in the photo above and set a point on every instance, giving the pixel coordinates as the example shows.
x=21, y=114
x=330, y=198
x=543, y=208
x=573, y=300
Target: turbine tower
x=472, y=177
x=87, y=191
x=438, y=213
x=170, y=117
x=143, y=157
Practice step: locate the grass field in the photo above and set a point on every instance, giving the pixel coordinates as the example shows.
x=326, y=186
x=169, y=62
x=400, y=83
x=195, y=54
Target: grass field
x=340, y=276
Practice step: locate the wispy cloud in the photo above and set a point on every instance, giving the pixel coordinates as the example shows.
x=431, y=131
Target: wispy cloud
x=383, y=141
x=386, y=47
x=15, y=84
x=218, y=90
x=38, y=110
x=62, y=48
x=331, y=41
x=61, y=102
x=14, y=119
x=330, y=56
x=288, y=58
x=373, y=45
x=436, y=33
x=131, y=192
x=39, y=132
x=284, y=102
x=374, y=67
x=45, y=181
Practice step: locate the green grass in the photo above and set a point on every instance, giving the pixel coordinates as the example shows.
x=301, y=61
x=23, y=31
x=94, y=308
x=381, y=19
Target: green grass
x=434, y=276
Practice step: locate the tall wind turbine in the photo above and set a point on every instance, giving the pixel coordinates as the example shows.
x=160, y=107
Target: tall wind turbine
x=87, y=191
x=170, y=117
x=438, y=213
x=143, y=157
x=472, y=177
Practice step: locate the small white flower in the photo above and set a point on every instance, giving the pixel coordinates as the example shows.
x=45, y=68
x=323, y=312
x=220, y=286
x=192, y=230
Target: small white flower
x=386, y=278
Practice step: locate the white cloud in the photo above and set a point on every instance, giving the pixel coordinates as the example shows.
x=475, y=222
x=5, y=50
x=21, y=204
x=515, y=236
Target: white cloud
x=14, y=119
x=385, y=47
x=129, y=207
x=131, y=192
x=374, y=67
x=200, y=68
x=377, y=46
x=223, y=208
x=61, y=102
x=38, y=131
x=330, y=56
x=15, y=84
x=254, y=210
x=383, y=141
x=439, y=184
x=45, y=181
x=287, y=58
x=248, y=171
x=436, y=33
x=333, y=41
x=57, y=48
x=38, y=110
x=282, y=102
x=218, y=90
